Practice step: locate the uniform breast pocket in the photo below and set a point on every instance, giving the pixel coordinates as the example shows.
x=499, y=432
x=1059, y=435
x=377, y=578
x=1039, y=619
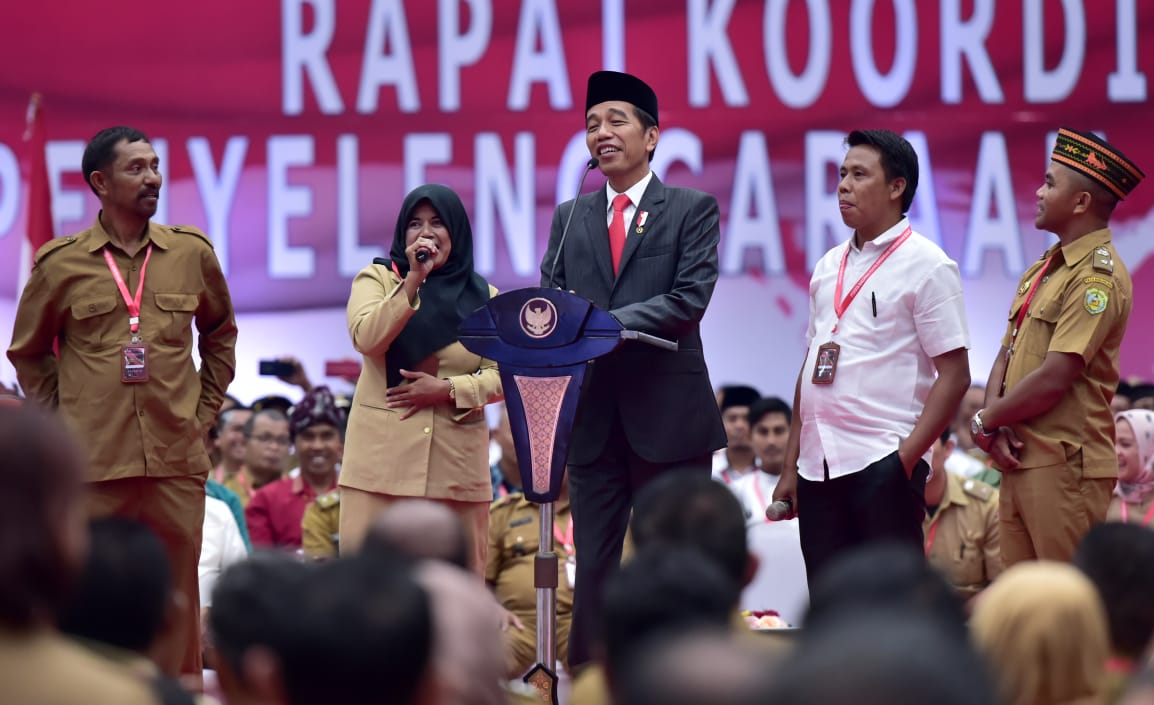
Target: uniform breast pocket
x=174, y=322
x=92, y=319
x=1038, y=329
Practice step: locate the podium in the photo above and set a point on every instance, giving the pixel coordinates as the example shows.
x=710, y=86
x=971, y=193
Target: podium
x=543, y=341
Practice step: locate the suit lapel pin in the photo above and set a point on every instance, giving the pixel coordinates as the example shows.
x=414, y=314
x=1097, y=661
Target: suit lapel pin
x=641, y=217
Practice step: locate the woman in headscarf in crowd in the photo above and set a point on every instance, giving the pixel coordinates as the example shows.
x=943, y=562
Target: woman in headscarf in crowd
x=417, y=427
x=1134, y=443
x=1042, y=628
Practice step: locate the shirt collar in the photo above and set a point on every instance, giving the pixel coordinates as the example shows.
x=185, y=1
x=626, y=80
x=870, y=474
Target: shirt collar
x=156, y=235
x=1081, y=248
x=885, y=238
x=635, y=192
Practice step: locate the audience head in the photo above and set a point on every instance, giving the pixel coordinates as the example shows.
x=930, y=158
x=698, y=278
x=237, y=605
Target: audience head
x=880, y=576
x=468, y=650
x=317, y=428
x=362, y=633
x=734, y=402
x=663, y=590
x=888, y=656
x=769, y=419
x=266, y=443
x=679, y=509
x=255, y=607
x=700, y=666
x=1042, y=627
x=420, y=529
x=1134, y=446
x=125, y=590
x=1119, y=560
x=230, y=440
x=43, y=520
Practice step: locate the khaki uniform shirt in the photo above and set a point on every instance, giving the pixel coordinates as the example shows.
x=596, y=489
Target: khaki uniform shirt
x=47, y=669
x=321, y=526
x=1080, y=307
x=442, y=451
x=155, y=428
x=962, y=536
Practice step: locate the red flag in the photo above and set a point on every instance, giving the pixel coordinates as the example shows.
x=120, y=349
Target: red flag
x=39, y=221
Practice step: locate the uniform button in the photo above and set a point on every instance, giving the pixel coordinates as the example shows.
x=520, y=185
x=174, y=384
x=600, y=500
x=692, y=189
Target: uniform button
x=91, y=308
x=142, y=412
x=428, y=430
x=134, y=267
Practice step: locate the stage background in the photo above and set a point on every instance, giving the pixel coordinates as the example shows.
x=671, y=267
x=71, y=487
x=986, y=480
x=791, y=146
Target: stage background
x=290, y=131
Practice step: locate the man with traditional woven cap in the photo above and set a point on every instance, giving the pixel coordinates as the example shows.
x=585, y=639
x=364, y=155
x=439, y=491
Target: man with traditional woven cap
x=646, y=253
x=1047, y=422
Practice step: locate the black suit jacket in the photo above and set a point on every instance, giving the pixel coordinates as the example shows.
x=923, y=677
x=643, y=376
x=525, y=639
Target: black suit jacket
x=664, y=399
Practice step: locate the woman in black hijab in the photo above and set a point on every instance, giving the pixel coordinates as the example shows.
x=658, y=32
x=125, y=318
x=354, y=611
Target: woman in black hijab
x=417, y=427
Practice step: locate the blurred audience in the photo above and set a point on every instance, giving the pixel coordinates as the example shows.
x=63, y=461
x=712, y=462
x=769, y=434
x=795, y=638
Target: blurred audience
x=124, y=602
x=266, y=454
x=43, y=523
x=1119, y=560
x=737, y=459
x=505, y=472
x=421, y=530
x=1043, y=629
x=769, y=419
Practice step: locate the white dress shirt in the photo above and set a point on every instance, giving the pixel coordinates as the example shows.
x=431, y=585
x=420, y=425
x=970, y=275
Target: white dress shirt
x=755, y=492
x=635, y=192
x=885, y=368
x=221, y=546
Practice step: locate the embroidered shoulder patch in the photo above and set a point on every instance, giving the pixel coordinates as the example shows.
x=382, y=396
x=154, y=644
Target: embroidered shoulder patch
x=1095, y=301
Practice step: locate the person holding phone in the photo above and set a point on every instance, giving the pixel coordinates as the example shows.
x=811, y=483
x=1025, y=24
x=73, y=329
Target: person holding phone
x=417, y=427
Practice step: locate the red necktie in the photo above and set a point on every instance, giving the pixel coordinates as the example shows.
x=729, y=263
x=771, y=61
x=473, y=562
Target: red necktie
x=617, y=229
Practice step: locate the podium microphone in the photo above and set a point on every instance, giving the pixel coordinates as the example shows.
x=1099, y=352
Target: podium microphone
x=565, y=230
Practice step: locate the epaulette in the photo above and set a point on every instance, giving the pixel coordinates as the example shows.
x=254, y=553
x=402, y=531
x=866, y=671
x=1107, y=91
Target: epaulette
x=189, y=230
x=978, y=489
x=51, y=246
x=1103, y=261
x=329, y=500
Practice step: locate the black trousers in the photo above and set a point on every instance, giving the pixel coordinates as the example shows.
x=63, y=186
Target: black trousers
x=601, y=499
x=878, y=503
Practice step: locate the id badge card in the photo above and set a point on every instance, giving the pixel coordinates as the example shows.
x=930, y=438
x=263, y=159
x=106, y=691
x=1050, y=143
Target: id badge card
x=825, y=368
x=134, y=363
x=571, y=573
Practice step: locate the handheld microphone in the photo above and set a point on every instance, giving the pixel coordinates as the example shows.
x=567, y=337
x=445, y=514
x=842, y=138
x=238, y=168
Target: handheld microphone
x=422, y=255
x=781, y=509
x=565, y=230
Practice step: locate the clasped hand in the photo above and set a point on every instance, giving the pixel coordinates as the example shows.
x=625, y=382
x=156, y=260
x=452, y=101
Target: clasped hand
x=1003, y=447
x=423, y=390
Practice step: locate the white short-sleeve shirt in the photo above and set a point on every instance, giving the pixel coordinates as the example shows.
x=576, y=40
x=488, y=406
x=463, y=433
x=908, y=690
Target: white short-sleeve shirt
x=910, y=311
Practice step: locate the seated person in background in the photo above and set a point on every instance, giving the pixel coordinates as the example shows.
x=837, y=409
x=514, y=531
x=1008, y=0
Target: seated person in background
x=514, y=538
x=421, y=530
x=769, y=419
x=1121, y=401
x=961, y=526
x=266, y=454
x=1042, y=629
x=737, y=459
x=1133, y=500
x=44, y=529
x=221, y=546
x=321, y=526
x=1142, y=396
x=122, y=603
x=505, y=472
x=230, y=443
x=1119, y=560
x=275, y=512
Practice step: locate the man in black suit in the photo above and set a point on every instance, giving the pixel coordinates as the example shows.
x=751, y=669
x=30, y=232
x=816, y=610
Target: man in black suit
x=647, y=254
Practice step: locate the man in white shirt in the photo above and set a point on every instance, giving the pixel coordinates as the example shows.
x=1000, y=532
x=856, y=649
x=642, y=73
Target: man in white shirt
x=885, y=313
x=737, y=459
x=769, y=419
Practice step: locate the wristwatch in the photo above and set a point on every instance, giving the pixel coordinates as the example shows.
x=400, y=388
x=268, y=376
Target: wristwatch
x=977, y=427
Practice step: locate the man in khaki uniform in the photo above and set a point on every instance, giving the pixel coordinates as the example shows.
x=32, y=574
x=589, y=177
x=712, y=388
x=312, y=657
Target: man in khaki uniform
x=514, y=537
x=1047, y=423
x=118, y=301
x=961, y=526
x=321, y=526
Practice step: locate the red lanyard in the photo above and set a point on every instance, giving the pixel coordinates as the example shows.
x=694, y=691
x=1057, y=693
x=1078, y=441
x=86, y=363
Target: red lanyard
x=932, y=535
x=132, y=302
x=840, y=305
x=566, y=539
x=1022, y=311
x=1145, y=520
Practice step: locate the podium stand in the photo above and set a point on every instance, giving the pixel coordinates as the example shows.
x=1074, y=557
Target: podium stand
x=543, y=341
